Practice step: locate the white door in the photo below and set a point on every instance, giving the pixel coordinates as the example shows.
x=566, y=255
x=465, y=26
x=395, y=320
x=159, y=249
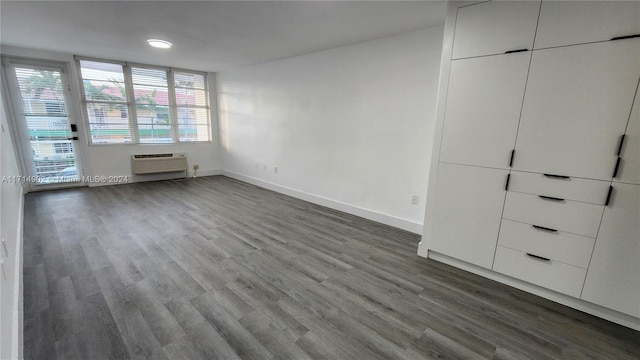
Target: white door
x=629, y=167
x=578, y=22
x=576, y=108
x=495, y=27
x=483, y=109
x=467, y=213
x=613, y=278
x=43, y=120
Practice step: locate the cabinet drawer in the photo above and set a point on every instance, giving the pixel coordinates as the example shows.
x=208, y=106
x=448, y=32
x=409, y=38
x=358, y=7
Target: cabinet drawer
x=560, y=246
x=585, y=190
x=566, y=215
x=551, y=274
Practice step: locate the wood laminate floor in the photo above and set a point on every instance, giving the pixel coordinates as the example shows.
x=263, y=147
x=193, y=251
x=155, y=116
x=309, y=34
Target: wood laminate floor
x=213, y=268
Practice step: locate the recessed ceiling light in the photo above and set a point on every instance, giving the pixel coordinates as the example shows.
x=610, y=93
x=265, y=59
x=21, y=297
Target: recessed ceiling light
x=162, y=44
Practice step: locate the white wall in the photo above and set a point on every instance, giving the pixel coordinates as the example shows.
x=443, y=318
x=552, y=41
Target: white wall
x=110, y=160
x=350, y=128
x=11, y=213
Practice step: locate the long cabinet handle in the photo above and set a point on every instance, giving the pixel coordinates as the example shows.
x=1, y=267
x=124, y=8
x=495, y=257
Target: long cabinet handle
x=557, y=176
x=606, y=203
x=621, y=143
x=506, y=185
x=625, y=37
x=538, y=257
x=513, y=154
x=544, y=228
x=550, y=198
x=515, y=51
x=615, y=170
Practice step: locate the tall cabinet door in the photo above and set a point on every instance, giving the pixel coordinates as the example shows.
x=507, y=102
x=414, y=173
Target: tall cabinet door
x=483, y=109
x=578, y=22
x=576, y=106
x=613, y=278
x=468, y=210
x=629, y=168
x=495, y=27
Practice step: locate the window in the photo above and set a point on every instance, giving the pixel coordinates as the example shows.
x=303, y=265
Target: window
x=191, y=106
x=151, y=96
x=106, y=102
x=144, y=104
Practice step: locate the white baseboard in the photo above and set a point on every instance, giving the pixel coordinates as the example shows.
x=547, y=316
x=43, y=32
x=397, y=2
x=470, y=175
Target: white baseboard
x=18, y=316
x=209, y=172
x=584, y=306
x=403, y=224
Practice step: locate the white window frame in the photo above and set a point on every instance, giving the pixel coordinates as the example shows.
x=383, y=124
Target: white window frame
x=131, y=104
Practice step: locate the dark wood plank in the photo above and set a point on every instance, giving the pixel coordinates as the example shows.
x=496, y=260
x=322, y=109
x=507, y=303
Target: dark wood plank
x=99, y=336
x=232, y=331
x=149, y=302
x=213, y=268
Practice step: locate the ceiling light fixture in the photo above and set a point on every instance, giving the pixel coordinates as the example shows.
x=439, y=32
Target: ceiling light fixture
x=161, y=44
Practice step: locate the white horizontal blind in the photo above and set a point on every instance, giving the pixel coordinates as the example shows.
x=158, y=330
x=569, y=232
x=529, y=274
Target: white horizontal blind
x=151, y=97
x=166, y=106
x=47, y=125
x=192, y=106
x=105, y=99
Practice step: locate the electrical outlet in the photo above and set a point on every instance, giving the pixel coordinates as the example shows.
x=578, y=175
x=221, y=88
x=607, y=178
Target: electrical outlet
x=264, y=167
x=196, y=166
x=275, y=169
x=415, y=200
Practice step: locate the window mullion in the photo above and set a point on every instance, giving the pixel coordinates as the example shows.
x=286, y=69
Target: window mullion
x=133, y=115
x=173, y=107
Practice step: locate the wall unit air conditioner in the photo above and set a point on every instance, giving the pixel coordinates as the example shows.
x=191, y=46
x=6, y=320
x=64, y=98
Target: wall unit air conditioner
x=158, y=163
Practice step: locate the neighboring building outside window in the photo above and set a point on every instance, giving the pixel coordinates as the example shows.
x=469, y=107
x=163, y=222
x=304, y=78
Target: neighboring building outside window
x=144, y=104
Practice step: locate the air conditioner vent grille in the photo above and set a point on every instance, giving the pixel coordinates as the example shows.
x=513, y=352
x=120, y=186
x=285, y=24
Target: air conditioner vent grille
x=158, y=163
x=144, y=156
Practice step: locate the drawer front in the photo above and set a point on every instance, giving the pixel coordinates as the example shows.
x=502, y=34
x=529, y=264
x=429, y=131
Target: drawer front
x=585, y=190
x=566, y=215
x=552, y=274
x=559, y=246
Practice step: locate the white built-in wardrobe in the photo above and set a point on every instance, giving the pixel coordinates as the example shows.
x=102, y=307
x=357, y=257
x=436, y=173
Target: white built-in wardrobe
x=537, y=182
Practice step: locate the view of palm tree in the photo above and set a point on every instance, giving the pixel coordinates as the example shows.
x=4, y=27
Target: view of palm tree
x=47, y=124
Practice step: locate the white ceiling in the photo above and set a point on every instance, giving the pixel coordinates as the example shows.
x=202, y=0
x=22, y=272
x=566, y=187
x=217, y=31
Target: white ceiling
x=207, y=35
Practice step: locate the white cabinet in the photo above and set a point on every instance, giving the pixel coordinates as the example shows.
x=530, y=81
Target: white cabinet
x=577, y=189
x=576, y=107
x=629, y=170
x=468, y=210
x=479, y=130
x=613, y=278
x=557, y=214
x=551, y=274
x=545, y=80
x=577, y=22
x=495, y=27
x=560, y=246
